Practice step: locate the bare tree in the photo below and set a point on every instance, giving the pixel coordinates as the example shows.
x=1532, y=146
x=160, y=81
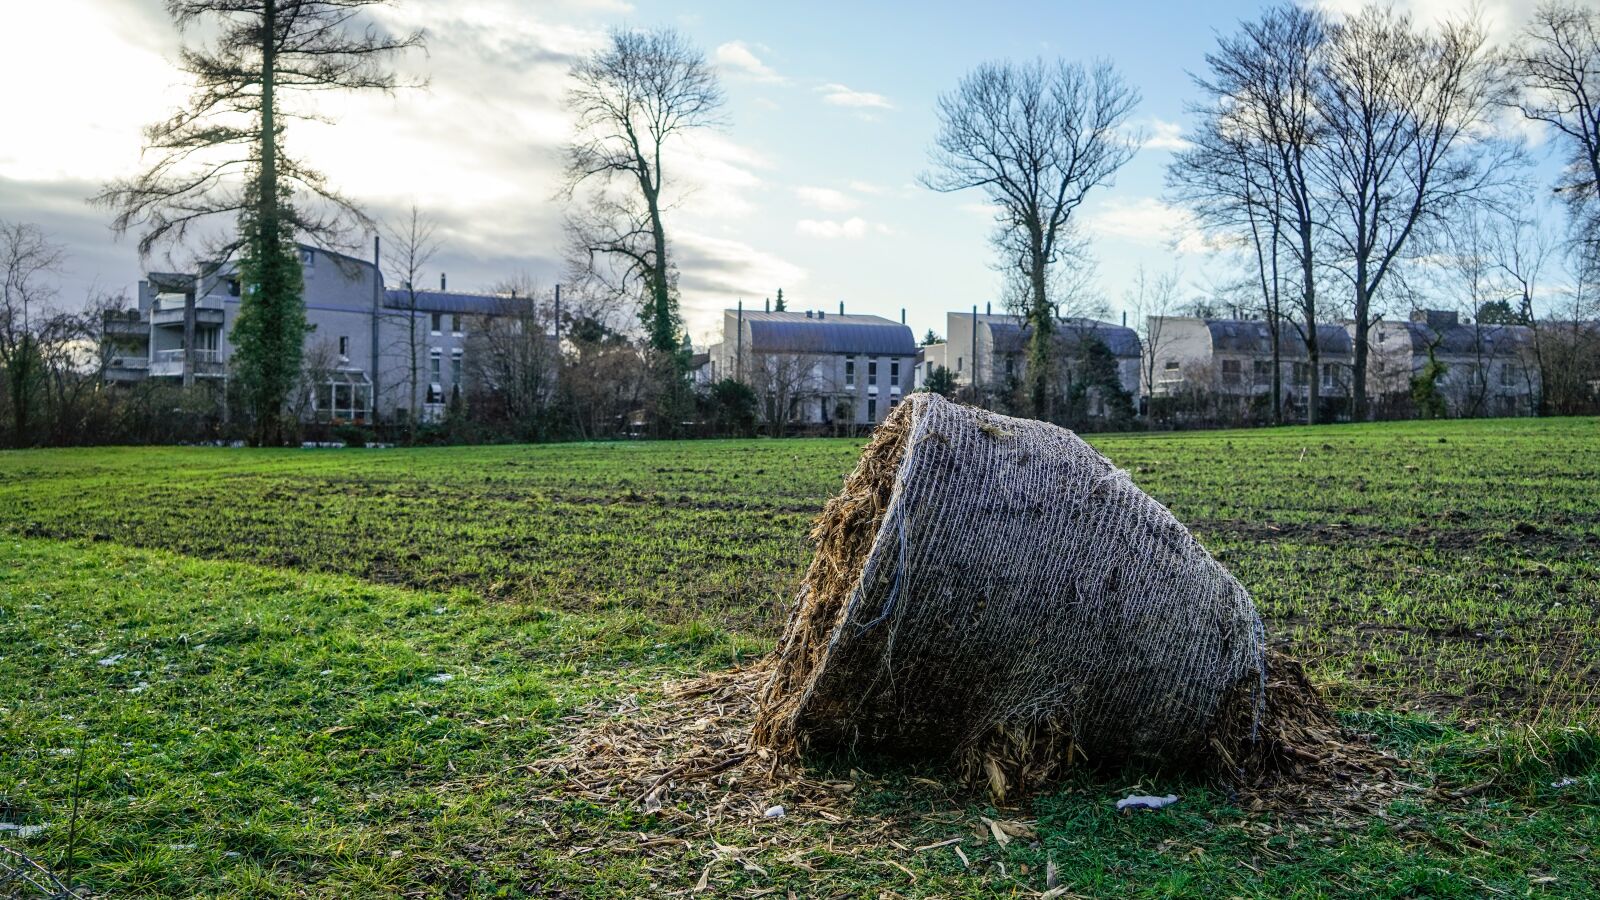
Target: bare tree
x=1246, y=170
x=1036, y=138
x=783, y=383
x=1556, y=70
x=1401, y=147
x=223, y=155
x=1153, y=301
x=513, y=358
x=411, y=245
x=631, y=99
x=27, y=258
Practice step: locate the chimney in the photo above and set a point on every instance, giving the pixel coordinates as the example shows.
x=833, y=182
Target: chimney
x=902, y=315
x=821, y=314
x=988, y=308
x=1124, y=318
x=769, y=307
x=808, y=314
x=441, y=281
x=841, y=307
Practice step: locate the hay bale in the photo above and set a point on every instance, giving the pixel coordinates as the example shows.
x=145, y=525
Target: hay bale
x=994, y=590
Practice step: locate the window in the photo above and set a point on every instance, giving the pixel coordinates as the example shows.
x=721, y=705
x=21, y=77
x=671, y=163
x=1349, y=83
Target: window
x=1230, y=371
x=455, y=323
x=1510, y=375
x=344, y=345
x=1330, y=375
x=849, y=373
x=455, y=366
x=1302, y=374
x=1263, y=370
x=233, y=287
x=872, y=373
x=1170, y=365
x=308, y=259
x=438, y=322
x=872, y=409
x=1011, y=366
x=435, y=363
x=894, y=373
x=958, y=364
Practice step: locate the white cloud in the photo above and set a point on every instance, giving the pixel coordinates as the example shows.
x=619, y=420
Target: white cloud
x=1501, y=18
x=828, y=229
x=841, y=95
x=738, y=56
x=826, y=199
x=867, y=187
x=1162, y=135
x=1147, y=220
x=717, y=272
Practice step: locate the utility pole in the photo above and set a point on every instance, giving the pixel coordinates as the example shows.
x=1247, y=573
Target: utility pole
x=975, y=353
x=377, y=311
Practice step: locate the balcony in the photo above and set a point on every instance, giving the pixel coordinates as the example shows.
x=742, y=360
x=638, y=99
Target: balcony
x=168, y=311
x=169, y=363
x=119, y=327
x=127, y=368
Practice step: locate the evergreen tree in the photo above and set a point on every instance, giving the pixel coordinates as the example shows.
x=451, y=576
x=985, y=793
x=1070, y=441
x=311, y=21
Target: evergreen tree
x=222, y=155
x=778, y=307
x=269, y=335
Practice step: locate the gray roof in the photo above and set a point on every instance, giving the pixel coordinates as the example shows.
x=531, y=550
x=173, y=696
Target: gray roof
x=1011, y=336
x=1464, y=339
x=794, y=332
x=455, y=302
x=1250, y=336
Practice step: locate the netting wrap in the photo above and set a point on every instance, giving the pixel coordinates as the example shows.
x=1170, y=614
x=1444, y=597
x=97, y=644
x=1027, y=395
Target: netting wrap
x=995, y=590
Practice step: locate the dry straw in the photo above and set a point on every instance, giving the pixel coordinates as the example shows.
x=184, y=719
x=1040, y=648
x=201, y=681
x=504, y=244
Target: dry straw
x=995, y=591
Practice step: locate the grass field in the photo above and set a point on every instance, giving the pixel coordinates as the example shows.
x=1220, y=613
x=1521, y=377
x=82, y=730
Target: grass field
x=322, y=673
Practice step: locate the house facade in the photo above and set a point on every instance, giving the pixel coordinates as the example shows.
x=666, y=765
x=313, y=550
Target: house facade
x=363, y=345
x=1478, y=369
x=990, y=352
x=1227, y=364
x=816, y=368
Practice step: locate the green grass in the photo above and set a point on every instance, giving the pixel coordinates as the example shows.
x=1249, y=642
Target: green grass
x=270, y=723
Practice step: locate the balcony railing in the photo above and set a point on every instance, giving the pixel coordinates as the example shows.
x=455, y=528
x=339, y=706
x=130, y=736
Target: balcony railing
x=170, y=362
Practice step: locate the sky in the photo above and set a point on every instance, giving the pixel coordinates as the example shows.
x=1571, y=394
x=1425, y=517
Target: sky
x=810, y=186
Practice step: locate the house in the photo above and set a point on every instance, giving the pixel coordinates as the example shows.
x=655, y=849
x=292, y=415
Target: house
x=1480, y=369
x=993, y=351
x=1227, y=364
x=358, y=354
x=816, y=368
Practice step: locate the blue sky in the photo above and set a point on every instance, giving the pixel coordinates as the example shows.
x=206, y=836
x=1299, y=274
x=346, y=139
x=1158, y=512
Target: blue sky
x=811, y=186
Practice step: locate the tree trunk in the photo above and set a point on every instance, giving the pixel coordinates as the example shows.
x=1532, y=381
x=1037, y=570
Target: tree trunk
x=1040, y=347
x=1358, y=388
x=268, y=427
x=1308, y=284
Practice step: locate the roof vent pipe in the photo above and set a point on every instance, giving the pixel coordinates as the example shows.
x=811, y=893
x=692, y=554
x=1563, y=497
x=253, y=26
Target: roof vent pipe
x=821, y=314
x=808, y=314
x=841, y=307
x=988, y=307
x=441, y=281
x=769, y=305
x=902, y=315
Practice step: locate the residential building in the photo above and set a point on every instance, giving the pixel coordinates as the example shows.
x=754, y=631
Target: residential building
x=816, y=368
x=1487, y=370
x=994, y=350
x=357, y=353
x=1226, y=364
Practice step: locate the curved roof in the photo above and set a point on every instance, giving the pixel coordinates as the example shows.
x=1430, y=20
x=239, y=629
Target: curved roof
x=1012, y=336
x=1250, y=336
x=788, y=332
x=454, y=302
x=1465, y=339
